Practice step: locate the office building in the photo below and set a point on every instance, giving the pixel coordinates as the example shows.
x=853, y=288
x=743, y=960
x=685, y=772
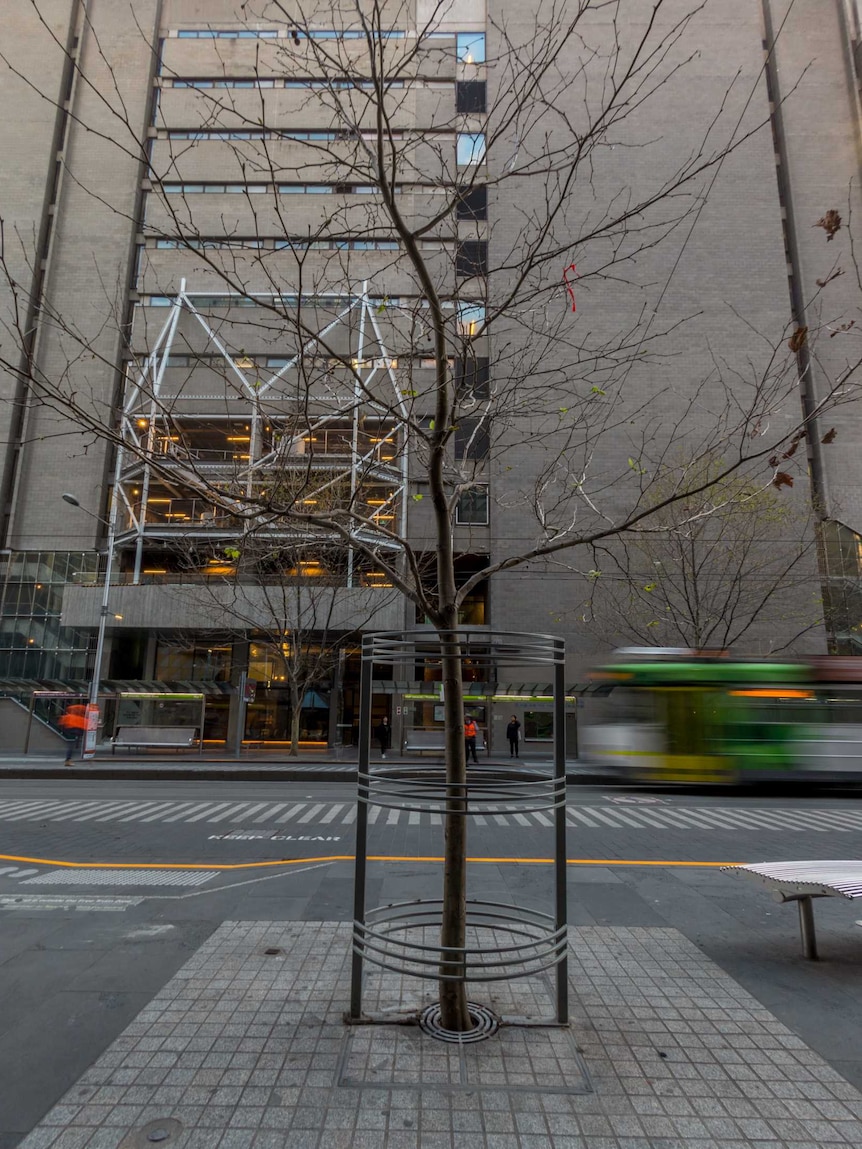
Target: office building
x=198, y=259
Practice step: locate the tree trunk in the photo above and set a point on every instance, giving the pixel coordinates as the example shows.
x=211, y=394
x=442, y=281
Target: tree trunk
x=453, y=994
x=295, y=718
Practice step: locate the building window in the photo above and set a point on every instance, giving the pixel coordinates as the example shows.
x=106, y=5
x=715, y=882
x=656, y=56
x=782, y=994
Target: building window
x=471, y=318
x=472, y=203
x=470, y=96
x=472, y=378
x=471, y=258
x=230, y=34
x=472, y=508
x=472, y=441
x=470, y=148
x=470, y=47
x=538, y=726
x=305, y=189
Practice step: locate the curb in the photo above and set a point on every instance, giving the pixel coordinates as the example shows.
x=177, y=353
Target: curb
x=213, y=773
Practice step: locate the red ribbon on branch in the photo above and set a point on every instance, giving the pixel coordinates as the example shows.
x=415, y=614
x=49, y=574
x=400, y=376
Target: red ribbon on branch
x=569, y=287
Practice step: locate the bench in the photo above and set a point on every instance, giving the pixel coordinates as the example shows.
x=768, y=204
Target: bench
x=423, y=741
x=802, y=882
x=156, y=737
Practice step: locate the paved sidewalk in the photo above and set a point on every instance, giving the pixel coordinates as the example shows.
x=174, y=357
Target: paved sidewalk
x=246, y=1049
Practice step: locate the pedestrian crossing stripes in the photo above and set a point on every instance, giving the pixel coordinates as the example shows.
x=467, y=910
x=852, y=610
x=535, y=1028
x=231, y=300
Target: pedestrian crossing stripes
x=332, y=814
x=104, y=877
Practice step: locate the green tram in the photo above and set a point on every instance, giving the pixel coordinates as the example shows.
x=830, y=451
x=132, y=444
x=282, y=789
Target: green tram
x=674, y=717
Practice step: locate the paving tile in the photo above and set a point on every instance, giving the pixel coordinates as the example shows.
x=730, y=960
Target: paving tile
x=251, y=1055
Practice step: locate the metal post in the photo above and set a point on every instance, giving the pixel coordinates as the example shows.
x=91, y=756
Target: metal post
x=26, y=749
x=203, y=723
x=560, y=830
x=806, y=928
x=239, y=733
x=361, y=825
x=90, y=734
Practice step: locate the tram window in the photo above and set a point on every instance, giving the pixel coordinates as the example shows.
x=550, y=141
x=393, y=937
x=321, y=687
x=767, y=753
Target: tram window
x=631, y=706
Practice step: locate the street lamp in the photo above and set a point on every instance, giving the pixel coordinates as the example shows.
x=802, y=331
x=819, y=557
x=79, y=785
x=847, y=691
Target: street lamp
x=89, y=747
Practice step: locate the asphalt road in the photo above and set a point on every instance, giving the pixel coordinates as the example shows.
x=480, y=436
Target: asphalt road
x=84, y=947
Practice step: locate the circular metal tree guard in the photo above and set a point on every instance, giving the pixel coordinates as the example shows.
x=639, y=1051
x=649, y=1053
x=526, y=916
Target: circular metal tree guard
x=524, y=941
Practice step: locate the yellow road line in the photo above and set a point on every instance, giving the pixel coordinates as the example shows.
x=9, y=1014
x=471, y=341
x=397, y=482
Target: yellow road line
x=346, y=858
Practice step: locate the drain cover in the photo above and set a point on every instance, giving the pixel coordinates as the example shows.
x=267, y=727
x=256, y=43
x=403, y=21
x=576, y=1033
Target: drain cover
x=160, y=1132
x=486, y=1024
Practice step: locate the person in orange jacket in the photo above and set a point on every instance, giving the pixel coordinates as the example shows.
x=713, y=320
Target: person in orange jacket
x=74, y=723
x=470, y=733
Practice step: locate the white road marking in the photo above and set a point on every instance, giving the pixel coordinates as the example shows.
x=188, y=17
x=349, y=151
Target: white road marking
x=292, y=812
x=312, y=813
x=270, y=811
x=750, y=819
x=229, y=813
x=336, y=809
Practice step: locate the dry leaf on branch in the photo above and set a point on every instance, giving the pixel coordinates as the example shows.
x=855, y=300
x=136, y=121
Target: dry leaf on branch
x=831, y=222
x=797, y=340
x=829, y=437
x=832, y=275
x=794, y=445
x=782, y=479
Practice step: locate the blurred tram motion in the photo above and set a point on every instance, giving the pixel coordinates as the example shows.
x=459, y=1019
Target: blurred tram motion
x=658, y=715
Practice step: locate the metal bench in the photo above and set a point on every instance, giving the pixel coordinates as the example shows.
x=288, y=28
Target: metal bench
x=802, y=882
x=156, y=737
x=423, y=741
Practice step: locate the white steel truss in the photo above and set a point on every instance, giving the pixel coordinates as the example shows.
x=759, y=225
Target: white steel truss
x=145, y=396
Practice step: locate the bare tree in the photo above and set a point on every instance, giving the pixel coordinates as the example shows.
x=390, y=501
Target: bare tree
x=739, y=570
x=284, y=597
x=536, y=360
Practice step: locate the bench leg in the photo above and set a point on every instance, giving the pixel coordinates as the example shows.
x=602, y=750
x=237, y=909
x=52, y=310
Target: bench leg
x=806, y=928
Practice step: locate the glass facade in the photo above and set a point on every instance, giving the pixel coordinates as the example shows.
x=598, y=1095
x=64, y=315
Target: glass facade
x=33, y=644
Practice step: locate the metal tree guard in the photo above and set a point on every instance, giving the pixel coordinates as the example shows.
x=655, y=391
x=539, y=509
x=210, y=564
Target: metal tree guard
x=385, y=936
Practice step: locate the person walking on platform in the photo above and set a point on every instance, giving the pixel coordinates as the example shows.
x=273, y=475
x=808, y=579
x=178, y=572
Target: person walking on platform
x=73, y=723
x=513, y=733
x=383, y=734
x=470, y=733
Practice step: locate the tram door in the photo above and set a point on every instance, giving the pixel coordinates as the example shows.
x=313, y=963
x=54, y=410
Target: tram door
x=690, y=716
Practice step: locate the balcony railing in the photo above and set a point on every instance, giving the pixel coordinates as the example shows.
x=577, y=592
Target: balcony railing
x=337, y=443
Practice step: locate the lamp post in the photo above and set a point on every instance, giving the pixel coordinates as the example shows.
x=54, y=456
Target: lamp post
x=89, y=747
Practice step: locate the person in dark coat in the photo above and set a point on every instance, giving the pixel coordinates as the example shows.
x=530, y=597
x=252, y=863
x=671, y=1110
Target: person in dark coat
x=383, y=734
x=513, y=733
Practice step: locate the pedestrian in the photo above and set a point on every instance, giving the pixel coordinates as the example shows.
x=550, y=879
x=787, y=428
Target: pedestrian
x=513, y=733
x=73, y=722
x=470, y=732
x=383, y=734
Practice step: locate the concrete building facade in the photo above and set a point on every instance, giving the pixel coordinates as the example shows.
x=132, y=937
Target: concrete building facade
x=198, y=262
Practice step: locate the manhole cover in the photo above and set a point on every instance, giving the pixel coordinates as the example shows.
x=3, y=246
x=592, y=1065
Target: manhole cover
x=160, y=1132
x=486, y=1024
